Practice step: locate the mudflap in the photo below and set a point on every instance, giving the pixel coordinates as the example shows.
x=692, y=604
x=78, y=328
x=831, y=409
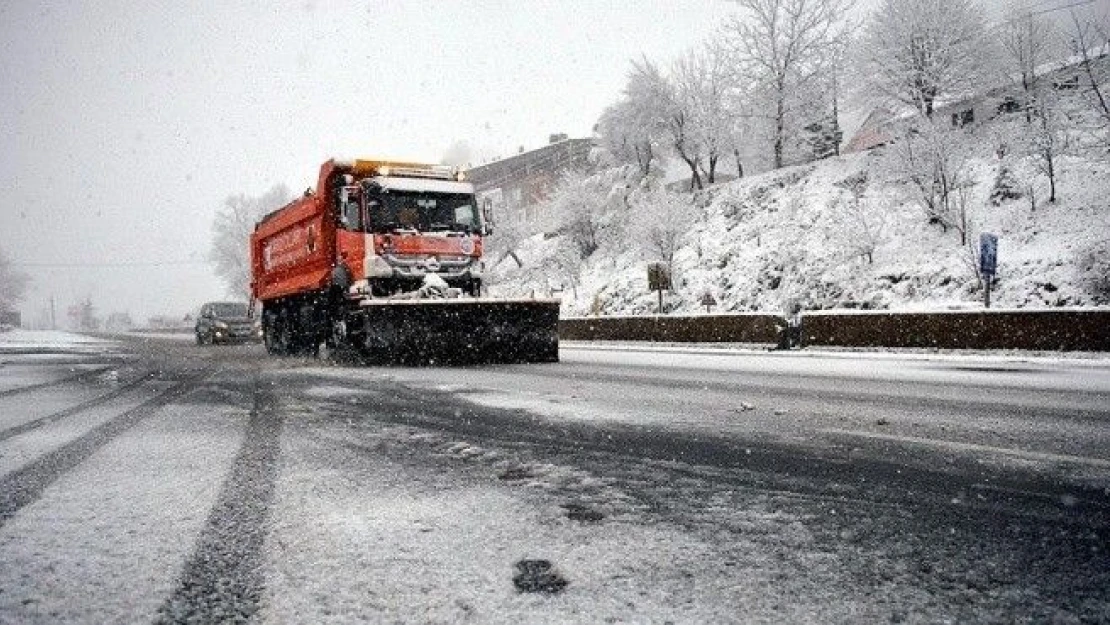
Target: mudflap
x=459, y=331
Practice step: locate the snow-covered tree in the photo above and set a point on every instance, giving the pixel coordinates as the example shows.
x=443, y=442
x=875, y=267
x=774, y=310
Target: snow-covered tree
x=823, y=138
x=13, y=283
x=590, y=208
x=632, y=130
x=1093, y=268
x=230, y=251
x=663, y=220
x=783, y=45
x=916, y=53
x=1005, y=187
x=701, y=79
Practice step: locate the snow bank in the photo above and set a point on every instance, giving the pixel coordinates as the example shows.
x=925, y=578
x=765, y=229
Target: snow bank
x=46, y=339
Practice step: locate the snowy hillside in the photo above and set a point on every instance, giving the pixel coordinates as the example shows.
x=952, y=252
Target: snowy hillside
x=799, y=237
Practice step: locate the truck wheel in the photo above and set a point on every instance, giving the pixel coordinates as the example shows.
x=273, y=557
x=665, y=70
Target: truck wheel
x=272, y=333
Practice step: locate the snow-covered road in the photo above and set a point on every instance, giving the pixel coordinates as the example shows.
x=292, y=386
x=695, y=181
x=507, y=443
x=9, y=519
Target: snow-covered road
x=147, y=479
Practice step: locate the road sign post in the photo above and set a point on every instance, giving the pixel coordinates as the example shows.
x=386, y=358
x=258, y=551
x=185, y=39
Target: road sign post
x=659, y=279
x=988, y=263
x=708, y=301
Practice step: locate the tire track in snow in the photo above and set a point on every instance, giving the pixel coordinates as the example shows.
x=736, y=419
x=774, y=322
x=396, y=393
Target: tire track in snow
x=76, y=377
x=26, y=485
x=223, y=580
x=72, y=410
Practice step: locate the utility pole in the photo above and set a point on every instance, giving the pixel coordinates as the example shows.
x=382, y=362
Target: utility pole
x=53, y=318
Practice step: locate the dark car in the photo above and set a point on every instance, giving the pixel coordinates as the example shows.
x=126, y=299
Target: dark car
x=226, y=322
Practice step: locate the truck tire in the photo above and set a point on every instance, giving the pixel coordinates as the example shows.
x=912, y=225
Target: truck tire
x=272, y=331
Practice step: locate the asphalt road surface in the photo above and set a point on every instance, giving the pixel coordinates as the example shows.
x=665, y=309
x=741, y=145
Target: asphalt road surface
x=152, y=480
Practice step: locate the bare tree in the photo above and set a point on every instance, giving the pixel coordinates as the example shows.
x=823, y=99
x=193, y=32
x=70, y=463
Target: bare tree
x=1026, y=44
x=1048, y=137
x=932, y=159
x=13, y=283
x=859, y=222
x=1091, y=41
x=230, y=251
x=915, y=53
x=783, y=45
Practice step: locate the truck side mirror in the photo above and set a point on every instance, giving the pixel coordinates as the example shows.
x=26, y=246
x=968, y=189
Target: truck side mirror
x=487, y=217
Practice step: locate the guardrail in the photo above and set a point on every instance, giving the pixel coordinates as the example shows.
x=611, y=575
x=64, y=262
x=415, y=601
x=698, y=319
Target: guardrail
x=1054, y=329
x=738, y=328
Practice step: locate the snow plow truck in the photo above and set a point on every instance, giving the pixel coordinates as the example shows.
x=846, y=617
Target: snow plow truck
x=384, y=259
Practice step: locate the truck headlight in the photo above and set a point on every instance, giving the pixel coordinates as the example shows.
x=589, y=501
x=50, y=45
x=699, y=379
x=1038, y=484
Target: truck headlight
x=478, y=269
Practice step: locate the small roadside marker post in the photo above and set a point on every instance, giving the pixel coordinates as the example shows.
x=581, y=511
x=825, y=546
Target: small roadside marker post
x=708, y=301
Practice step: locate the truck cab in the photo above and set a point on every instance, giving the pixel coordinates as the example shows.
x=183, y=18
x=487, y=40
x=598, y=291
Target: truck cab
x=396, y=225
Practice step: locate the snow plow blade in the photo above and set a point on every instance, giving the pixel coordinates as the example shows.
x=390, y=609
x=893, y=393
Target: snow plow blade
x=460, y=331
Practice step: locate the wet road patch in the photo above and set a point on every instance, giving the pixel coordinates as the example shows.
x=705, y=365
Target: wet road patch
x=516, y=474
x=585, y=514
x=538, y=576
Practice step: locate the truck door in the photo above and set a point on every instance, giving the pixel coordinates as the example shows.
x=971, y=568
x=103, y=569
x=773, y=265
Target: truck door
x=350, y=239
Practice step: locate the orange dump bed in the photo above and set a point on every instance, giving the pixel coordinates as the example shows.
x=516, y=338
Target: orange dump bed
x=293, y=249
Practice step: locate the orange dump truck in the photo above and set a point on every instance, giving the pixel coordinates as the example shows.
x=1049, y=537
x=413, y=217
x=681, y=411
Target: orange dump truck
x=386, y=258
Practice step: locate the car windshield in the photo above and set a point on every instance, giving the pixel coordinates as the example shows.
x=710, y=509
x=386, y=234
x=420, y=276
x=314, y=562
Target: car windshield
x=424, y=212
x=229, y=309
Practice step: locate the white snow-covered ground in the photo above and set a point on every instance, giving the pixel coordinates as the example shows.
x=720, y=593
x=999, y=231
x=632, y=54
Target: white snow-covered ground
x=781, y=239
x=16, y=339
x=107, y=541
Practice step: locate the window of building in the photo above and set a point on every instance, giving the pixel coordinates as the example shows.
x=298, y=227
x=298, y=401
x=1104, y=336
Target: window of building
x=1066, y=84
x=1009, y=105
x=963, y=118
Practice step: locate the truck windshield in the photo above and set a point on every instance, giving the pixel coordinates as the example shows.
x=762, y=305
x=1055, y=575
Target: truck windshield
x=425, y=212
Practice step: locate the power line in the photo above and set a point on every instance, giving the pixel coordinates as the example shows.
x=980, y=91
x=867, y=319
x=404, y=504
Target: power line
x=1028, y=13
x=161, y=263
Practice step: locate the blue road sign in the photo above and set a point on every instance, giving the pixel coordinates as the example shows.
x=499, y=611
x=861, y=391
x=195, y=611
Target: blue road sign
x=988, y=253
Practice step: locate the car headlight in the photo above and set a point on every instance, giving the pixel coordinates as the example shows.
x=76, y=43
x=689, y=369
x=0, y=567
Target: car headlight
x=220, y=325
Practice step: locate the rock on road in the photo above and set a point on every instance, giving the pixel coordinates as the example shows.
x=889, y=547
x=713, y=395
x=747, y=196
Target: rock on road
x=151, y=480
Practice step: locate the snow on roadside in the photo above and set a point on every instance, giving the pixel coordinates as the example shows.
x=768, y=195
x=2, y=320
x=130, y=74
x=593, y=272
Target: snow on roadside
x=106, y=541
x=17, y=338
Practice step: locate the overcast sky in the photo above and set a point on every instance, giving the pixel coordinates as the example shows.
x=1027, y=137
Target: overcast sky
x=126, y=124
